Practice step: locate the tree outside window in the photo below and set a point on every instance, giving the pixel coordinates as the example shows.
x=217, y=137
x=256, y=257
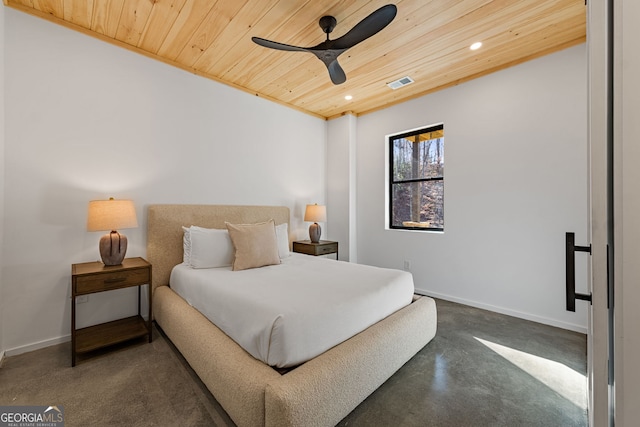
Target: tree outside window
x=416, y=179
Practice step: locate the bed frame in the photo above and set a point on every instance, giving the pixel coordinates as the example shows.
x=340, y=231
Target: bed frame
x=320, y=392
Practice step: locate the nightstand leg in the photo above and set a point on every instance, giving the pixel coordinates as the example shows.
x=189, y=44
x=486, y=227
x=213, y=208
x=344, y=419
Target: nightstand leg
x=73, y=330
x=150, y=311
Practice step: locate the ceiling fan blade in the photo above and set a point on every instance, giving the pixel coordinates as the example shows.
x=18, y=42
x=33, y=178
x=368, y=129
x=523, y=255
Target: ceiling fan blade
x=278, y=46
x=336, y=73
x=367, y=27
x=328, y=50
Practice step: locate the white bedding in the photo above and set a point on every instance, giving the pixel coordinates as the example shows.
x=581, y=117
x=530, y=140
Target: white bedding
x=287, y=314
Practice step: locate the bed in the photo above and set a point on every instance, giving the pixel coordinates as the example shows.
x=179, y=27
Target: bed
x=321, y=391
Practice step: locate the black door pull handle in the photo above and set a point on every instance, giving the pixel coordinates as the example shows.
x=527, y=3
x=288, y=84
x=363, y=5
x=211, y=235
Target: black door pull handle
x=571, y=250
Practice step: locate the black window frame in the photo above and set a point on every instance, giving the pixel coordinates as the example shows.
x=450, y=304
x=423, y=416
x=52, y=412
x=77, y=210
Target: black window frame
x=391, y=181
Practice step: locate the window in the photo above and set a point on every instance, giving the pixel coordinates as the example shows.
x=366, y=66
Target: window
x=416, y=179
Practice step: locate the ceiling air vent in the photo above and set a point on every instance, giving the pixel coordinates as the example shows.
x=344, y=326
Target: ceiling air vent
x=400, y=82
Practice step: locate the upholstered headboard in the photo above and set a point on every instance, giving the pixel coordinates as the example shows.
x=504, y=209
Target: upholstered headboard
x=164, y=229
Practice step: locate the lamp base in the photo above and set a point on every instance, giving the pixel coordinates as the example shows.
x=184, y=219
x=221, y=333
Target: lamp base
x=314, y=232
x=113, y=247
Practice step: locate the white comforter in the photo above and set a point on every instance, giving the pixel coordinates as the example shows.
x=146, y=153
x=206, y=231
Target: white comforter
x=287, y=314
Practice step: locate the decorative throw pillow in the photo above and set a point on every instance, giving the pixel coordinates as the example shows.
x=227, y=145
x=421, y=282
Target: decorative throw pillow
x=282, y=235
x=255, y=245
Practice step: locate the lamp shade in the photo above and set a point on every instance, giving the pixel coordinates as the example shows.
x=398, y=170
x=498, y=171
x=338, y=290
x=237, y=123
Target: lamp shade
x=108, y=215
x=315, y=213
x=111, y=215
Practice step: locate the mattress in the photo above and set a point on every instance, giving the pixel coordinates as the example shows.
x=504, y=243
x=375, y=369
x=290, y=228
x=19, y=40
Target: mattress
x=287, y=314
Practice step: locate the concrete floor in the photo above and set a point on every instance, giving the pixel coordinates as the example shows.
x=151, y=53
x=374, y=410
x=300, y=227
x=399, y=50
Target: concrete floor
x=481, y=369
x=485, y=369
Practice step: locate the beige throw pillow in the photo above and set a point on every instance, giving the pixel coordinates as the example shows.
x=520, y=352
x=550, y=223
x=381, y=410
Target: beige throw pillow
x=255, y=245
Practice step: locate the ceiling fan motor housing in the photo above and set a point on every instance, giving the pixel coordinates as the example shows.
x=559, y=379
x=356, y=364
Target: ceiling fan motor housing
x=328, y=23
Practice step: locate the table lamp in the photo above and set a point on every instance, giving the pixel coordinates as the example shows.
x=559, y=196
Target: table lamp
x=315, y=213
x=111, y=215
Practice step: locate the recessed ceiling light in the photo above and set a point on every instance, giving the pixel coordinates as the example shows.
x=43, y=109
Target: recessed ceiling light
x=348, y=97
x=476, y=46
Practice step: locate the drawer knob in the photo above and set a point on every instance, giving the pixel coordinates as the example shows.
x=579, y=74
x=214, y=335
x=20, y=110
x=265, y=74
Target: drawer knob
x=115, y=280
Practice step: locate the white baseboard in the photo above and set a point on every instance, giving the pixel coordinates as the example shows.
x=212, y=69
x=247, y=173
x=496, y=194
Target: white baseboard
x=42, y=344
x=37, y=345
x=509, y=312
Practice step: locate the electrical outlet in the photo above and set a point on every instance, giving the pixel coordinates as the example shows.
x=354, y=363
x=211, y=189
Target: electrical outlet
x=82, y=299
x=407, y=265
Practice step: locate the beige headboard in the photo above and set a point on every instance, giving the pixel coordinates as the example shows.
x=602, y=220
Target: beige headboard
x=164, y=229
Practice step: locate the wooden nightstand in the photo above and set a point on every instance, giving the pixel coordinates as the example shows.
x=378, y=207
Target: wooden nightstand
x=91, y=277
x=323, y=247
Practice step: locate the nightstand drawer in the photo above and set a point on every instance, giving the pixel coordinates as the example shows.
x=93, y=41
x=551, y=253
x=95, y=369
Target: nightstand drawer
x=323, y=247
x=328, y=248
x=115, y=280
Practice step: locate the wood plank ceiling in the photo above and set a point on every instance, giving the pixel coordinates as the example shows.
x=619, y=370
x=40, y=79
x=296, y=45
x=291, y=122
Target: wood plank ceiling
x=428, y=40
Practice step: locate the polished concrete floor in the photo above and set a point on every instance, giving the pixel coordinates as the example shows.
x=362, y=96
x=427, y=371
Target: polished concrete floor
x=481, y=369
x=485, y=369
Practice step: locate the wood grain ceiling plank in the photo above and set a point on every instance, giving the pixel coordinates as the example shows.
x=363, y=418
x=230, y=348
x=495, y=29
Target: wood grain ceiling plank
x=19, y=3
x=133, y=19
x=232, y=48
x=318, y=79
x=50, y=7
x=285, y=77
x=106, y=16
x=210, y=29
x=163, y=16
x=78, y=12
x=239, y=27
x=192, y=15
x=530, y=44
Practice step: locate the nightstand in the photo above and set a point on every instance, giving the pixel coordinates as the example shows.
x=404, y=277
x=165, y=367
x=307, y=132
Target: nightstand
x=92, y=277
x=323, y=247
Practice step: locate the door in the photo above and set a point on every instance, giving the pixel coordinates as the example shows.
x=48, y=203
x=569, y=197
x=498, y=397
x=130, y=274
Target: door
x=626, y=188
x=600, y=115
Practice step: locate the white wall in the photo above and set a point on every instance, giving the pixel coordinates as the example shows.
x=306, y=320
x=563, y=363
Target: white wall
x=341, y=185
x=86, y=120
x=515, y=182
x=2, y=133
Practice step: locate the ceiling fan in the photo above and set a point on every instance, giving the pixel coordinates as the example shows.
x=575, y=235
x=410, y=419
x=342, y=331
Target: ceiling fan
x=329, y=50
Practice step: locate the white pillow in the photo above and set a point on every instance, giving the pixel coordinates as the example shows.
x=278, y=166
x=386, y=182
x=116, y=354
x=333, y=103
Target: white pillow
x=282, y=235
x=210, y=248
